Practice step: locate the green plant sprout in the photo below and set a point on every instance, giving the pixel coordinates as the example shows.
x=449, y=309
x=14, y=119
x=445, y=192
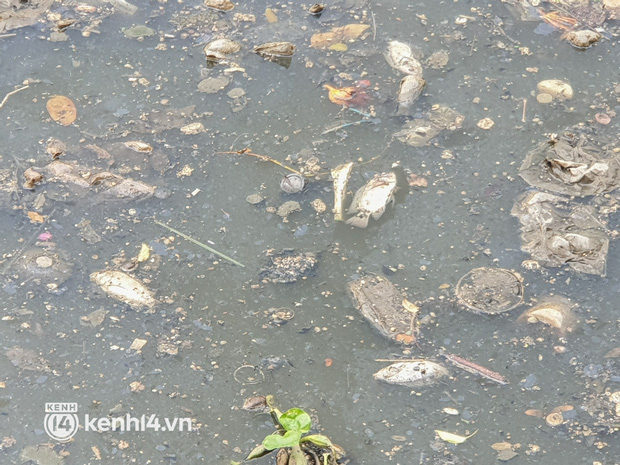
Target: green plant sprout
x=292, y=442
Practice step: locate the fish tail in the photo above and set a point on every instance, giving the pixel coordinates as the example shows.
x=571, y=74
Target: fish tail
x=358, y=221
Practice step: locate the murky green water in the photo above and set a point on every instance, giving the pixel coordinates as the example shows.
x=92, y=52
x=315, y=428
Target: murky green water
x=217, y=314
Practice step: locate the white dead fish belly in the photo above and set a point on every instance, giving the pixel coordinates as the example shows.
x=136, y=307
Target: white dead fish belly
x=412, y=373
x=400, y=57
x=372, y=199
x=121, y=286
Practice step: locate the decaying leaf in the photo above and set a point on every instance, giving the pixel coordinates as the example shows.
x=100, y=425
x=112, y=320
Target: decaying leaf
x=36, y=217
x=534, y=413
x=138, y=344
x=453, y=438
x=338, y=34
x=32, y=178
x=271, y=16
x=93, y=319
x=62, y=110
x=145, y=253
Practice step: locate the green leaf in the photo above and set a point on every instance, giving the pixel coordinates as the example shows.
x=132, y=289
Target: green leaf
x=296, y=419
x=275, y=441
x=318, y=439
x=257, y=452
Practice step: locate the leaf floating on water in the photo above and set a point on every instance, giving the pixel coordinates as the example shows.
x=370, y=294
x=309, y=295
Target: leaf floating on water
x=62, y=110
x=339, y=47
x=144, y=254
x=271, y=16
x=453, y=438
x=337, y=34
x=35, y=217
x=534, y=413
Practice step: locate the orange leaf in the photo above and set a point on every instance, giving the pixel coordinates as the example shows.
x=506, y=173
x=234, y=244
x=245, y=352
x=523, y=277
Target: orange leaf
x=328, y=362
x=35, y=217
x=62, y=110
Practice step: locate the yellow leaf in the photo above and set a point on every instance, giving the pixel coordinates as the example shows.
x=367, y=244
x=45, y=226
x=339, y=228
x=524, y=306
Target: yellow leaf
x=144, y=254
x=410, y=307
x=453, y=438
x=339, y=47
x=271, y=16
x=35, y=217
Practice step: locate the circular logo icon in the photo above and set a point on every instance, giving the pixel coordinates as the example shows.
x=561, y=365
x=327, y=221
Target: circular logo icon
x=61, y=426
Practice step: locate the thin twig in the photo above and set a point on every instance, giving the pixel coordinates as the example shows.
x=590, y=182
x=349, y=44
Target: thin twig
x=524, y=107
x=249, y=153
x=4, y=36
x=374, y=26
x=6, y=97
x=191, y=239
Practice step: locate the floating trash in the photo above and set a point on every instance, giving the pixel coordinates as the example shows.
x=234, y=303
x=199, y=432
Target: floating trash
x=555, y=311
x=50, y=267
x=490, y=290
x=293, y=183
x=582, y=39
x=558, y=89
x=289, y=266
x=409, y=92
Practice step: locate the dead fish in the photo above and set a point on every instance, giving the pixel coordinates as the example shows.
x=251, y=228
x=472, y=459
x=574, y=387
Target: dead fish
x=121, y=286
x=341, y=175
x=218, y=49
x=414, y=373
x=411, y=88
x=371, y=199
x=400, y=57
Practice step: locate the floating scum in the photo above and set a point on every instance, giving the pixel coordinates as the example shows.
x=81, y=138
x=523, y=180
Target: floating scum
x=554, y=229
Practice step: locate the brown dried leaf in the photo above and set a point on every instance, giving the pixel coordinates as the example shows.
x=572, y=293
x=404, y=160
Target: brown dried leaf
x=416, y=181
x=337, y=34
x=534, y=413
x=562, y=408
x=62, y=110
x=35, y=217
x=501, y=446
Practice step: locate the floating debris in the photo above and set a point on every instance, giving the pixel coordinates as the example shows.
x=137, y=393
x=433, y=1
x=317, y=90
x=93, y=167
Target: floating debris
x=254, y=199
x=415, y=373
x=50, y=267
x=557, y=88
x=289, y=266
x=555, y=311
x=490, y=290
x=121, y=286
x=474, y=368
x=293, y=183
x=222, y=5
x=372, y=199
x=316, y=9
x=582, y=39
x=556, y=231
x=275, y=49
x=340, y=175
x=384, y=306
